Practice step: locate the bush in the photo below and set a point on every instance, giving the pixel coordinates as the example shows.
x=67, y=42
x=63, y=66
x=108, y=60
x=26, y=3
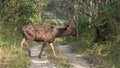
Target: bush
x=11, y=57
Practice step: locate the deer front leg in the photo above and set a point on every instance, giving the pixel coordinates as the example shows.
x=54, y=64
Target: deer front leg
x=53, y=49
x=43, y=46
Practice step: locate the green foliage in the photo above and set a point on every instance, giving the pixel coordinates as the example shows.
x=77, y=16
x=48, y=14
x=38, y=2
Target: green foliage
x=109, y=14
x=10, y=54
x=97, y=13
x=46, y=20
x=14, y=14
x=105, y=54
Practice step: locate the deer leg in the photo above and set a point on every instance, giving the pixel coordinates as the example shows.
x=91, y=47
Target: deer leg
x=22, y=42
x=53, y=50
x=26, y=45
x=43, y=46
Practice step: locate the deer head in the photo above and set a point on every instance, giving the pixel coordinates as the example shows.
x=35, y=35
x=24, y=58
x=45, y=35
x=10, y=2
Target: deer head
x=70, y=30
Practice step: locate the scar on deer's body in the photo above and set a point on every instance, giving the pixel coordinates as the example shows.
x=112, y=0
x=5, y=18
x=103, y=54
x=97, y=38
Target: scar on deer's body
x=45, y=34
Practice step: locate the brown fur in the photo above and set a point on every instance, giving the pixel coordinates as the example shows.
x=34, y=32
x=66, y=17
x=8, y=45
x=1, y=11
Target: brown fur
x=45, y=34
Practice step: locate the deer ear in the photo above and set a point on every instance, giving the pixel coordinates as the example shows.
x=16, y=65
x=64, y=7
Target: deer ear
x=68, y=25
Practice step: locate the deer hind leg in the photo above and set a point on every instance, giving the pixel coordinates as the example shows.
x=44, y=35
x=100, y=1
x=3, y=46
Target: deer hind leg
x=26, y=45
x=53, y=49
x=25, y=42
x=43, y=46
x=22, y=42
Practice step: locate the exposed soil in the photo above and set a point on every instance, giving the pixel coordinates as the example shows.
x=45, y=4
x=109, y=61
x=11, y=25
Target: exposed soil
x=57, y=21
x=75, y=60
x=39, y=63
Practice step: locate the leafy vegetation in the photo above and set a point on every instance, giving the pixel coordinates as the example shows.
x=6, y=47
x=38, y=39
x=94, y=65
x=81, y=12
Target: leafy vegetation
x=14, y=14
x=95, y=21
x=10, y=55
x=97, y=26
x=103, y=53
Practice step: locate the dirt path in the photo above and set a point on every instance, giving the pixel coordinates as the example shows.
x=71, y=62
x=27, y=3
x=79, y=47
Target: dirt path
x=76, y=61
x=39, y=63
x=58, y=22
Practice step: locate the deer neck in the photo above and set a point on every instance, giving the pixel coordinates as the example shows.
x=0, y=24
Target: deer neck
x=60, y=32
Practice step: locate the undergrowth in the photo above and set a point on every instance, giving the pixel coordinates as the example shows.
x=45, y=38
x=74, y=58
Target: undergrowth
x=101, y=55
x=11, y=56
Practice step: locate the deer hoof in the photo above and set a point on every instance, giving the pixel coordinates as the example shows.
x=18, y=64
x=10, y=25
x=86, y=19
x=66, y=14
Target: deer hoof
x=29, y=54
x=39, y=57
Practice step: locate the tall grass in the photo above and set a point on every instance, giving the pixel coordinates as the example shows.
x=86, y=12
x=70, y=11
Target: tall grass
x=104, y=55
x=11, y=56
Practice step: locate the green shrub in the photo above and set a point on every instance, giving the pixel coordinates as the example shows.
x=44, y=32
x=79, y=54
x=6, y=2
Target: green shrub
x=12, y=57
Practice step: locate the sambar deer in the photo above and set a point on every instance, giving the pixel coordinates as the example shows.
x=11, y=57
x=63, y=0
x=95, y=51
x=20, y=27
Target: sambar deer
x=45, y=34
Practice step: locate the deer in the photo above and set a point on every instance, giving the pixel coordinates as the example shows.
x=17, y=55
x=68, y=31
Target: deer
x=44, y=34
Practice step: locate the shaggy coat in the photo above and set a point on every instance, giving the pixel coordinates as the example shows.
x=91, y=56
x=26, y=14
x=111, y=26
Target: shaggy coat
x=45, y=34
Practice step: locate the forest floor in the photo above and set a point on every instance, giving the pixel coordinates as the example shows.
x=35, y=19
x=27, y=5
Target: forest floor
x=76, y=61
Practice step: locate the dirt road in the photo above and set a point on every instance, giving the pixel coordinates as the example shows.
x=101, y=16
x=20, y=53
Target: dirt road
x=39, y=63
x=76, y=61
